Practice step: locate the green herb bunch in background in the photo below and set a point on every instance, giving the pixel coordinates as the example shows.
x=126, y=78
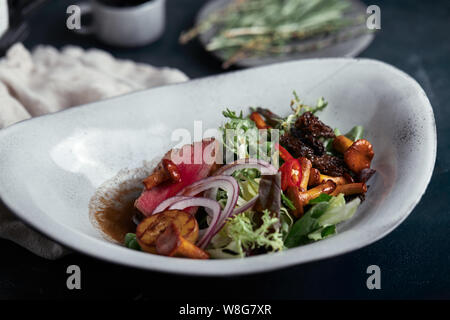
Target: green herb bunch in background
x=248, y=28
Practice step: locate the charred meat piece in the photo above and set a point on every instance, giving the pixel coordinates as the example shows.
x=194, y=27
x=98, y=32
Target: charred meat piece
x=311, y=141
x=296, y=147
x=326, y=164
x=304, y=141
x=308, y=128
x=329, y=165
x=310, y=125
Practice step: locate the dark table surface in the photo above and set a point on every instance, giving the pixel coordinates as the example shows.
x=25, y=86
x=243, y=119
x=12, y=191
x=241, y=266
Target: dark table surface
x=414, y=258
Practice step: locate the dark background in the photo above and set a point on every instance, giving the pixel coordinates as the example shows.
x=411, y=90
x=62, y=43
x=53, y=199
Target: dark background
x=414, y=259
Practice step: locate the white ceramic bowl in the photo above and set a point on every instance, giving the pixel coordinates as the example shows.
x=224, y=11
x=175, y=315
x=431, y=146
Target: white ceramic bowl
x=51, y=166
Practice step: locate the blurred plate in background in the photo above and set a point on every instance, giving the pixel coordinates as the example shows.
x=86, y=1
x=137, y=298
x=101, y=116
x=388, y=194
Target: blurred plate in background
x=340, y=44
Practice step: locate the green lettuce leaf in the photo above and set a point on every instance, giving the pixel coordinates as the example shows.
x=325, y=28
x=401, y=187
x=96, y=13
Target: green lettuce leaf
x=338, y=211
x=322, y=233
x=305, y=225
x=320, y=220
x=321, y=198
x=356, y=133
x=286, y=222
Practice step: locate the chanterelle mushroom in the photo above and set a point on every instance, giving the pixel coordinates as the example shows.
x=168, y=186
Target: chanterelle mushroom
x=301, y=199
x=316, y=178
x=350, y=189
x=171, y=243
x=357, y=155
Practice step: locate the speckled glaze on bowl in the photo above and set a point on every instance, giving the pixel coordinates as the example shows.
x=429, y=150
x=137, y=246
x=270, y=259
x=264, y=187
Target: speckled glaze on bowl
x=51, y=166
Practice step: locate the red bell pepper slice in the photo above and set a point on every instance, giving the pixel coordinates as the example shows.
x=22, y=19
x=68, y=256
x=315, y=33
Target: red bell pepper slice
x=284, y=154
x=291, y=174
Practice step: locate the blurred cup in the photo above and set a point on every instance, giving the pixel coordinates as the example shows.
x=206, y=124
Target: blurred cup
x=124, y=23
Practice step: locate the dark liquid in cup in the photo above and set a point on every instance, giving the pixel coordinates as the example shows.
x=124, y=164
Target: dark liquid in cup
x=122, y=3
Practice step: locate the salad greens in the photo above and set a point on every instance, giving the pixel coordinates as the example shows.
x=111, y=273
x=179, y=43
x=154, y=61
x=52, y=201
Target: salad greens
x=356, y=133
x=241, y=234
x=254, y=206
x=298, y=109
x=241, y=136
x=320, y=220
x=240, y=133
x=131, y=242
x=322, y=198
x=251, y=230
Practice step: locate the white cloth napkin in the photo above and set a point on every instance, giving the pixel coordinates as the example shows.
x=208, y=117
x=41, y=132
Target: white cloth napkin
x=48, y=80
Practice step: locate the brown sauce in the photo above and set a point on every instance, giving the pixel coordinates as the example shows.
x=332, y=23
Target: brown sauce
x=116, y=221
x=111, y=209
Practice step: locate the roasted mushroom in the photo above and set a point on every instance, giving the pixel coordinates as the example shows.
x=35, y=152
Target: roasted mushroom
x=316, y=178
x=342, y=143
x=171, y=243
x=350, y=189
x=365, y=174
x=259, y=121
x=148, y=231
x=357, y=155
x=301, y=199
x=272, y=119
x=166, y=170
x=306, y=170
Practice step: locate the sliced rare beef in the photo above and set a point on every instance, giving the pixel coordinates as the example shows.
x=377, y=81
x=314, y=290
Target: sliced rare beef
x=193, y=167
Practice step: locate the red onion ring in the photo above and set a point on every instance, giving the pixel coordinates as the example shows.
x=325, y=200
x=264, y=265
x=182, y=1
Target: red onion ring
x=167, y=203
x=221, y=179
x=249, y=163
x=227, y=183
